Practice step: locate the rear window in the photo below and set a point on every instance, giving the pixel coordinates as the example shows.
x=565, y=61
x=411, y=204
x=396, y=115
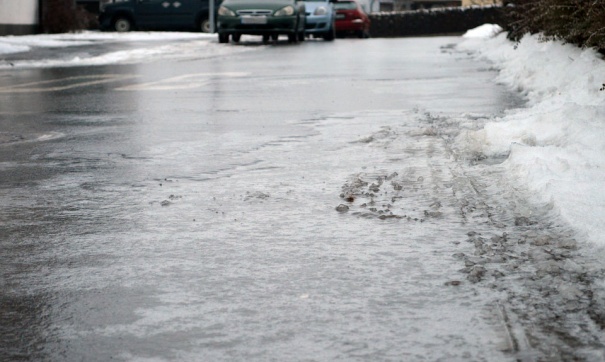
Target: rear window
x=345, y=5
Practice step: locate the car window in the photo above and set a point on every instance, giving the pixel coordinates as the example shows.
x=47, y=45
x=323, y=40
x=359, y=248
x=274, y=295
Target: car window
x=345, y=5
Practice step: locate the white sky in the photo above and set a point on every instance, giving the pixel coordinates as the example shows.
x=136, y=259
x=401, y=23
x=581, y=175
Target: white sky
x=556, y=143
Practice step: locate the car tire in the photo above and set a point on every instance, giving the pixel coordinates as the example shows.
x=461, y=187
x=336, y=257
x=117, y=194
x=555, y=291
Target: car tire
x=204, y=25
x=236, y=37
x=301, y=36
x=293, y=38
x=223, y=38
x=122, y=24
x=330, y=34
x=266, y=39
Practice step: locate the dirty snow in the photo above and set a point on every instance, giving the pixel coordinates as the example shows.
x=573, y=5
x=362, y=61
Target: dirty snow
x=556, y=144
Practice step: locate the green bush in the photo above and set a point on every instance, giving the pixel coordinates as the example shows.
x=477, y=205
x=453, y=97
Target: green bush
x=580, y=22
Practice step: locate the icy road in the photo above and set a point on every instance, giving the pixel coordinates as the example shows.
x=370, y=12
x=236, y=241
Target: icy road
x=275, y=203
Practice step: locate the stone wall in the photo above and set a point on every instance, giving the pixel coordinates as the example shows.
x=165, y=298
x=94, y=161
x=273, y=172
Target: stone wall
x=433, y=22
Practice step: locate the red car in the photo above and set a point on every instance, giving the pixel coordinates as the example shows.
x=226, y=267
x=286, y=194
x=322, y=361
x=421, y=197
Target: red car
x=351, y=19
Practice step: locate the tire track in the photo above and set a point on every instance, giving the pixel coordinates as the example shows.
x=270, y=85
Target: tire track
x=543, y=284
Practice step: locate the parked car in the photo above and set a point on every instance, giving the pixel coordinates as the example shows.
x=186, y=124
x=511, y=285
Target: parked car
x=92, y=6
x=320, y=19
x=268, y=18
x=127, y=15
x=351, y=19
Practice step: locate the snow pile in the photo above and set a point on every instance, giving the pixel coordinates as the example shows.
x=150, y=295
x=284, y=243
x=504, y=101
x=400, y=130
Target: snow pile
x=25, y=42
x=150, y=46
x=483, y=31
x=556, y=145
x=8, y=48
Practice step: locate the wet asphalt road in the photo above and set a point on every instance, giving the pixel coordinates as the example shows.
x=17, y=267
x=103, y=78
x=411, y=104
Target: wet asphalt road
x=119, y=109
x=187, y=210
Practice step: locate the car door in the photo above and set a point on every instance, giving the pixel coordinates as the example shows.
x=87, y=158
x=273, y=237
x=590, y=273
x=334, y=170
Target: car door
x=184, y=12
x=154, y=13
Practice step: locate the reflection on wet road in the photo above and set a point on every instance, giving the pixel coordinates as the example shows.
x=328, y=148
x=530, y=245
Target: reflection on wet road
x=291, y=203
x=62, y=84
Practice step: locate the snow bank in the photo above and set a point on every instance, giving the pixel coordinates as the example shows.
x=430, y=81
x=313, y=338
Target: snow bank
x=483, y=31
x=556, y=145
x=155, y=46
x=7, y=48
x=26, y=42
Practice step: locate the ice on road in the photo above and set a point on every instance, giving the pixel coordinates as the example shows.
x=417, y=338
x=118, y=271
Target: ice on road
x=363, y=235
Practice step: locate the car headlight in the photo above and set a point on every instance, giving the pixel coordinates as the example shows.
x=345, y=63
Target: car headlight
x=223, y=11
x=320, y=11
x=285, y=11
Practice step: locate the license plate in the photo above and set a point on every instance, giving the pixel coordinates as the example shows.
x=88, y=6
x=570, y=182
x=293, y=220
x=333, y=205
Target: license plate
x=340, y=16
x=254, y=20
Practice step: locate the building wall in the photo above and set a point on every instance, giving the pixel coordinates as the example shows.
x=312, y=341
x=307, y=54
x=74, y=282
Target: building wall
x=370, y=6
x=19, y=17
x=405, y=5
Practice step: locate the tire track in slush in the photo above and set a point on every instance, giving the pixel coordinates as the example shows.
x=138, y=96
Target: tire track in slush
x=543, y=284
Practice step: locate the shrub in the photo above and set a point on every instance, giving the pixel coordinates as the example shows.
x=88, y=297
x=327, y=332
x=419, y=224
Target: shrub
x=60, y=16
x=580, y=22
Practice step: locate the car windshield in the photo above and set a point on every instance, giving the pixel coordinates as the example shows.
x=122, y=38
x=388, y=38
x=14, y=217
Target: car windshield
x=345, y=5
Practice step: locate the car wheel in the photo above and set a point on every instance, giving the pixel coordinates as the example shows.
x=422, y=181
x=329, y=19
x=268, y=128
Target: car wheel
x=274, y=37
x=122, y=25
x=301, y=36
x=266, y=39
x=330, y=34
x=204, y=25
x=236, y=37
x=223, y=38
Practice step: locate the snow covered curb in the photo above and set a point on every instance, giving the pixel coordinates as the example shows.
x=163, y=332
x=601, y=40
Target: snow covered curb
x=146, y=47
x=23, y=43
x=556, y=145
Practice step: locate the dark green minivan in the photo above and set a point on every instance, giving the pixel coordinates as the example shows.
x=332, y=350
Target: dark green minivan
x=126, y=15
x=268, y=18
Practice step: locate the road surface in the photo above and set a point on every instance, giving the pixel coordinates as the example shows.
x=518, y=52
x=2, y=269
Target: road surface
x=286, y=202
